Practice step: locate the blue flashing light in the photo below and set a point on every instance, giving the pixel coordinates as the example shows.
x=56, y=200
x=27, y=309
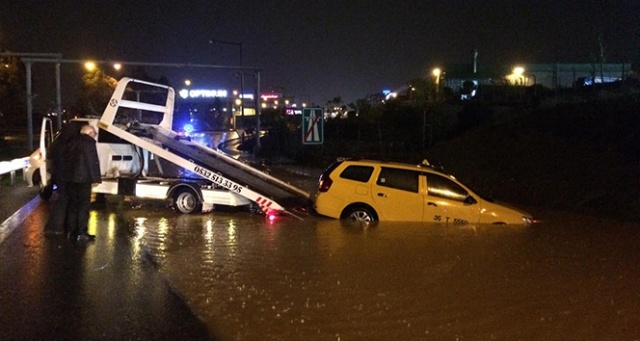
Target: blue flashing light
x=188, y=128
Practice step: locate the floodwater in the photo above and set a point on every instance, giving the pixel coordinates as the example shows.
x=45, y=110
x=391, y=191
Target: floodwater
x=565, y=278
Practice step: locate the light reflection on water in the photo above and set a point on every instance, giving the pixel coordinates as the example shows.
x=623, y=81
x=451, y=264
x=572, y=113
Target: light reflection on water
x=322, y=279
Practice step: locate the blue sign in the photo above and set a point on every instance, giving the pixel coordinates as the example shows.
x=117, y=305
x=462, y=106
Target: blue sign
x=312, y=126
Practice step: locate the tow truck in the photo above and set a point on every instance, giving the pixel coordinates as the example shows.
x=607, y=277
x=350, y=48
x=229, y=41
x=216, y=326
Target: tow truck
x=135, y=130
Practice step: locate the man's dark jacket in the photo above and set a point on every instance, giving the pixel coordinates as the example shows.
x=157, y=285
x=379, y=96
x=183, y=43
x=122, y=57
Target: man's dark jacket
x=86, y=168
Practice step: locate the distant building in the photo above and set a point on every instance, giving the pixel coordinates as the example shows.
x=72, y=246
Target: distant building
x=465, y=81
x=552, y=76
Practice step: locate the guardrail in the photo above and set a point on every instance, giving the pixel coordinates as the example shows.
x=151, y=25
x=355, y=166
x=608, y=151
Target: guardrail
x=13, y=166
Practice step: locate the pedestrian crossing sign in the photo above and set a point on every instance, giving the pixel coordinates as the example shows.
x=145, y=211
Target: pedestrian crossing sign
x=312, y=126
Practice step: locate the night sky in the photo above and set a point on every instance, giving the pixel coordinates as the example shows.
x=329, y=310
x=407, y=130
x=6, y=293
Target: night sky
x=317, y=50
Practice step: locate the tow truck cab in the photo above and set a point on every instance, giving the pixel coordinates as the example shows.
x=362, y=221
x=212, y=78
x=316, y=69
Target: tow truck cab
x=117, y=157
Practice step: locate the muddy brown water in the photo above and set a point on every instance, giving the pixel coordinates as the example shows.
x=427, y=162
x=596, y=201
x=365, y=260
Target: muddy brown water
x=568, y=277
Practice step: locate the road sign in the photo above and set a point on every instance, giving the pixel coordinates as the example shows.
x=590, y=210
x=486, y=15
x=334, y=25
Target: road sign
x=312, y=126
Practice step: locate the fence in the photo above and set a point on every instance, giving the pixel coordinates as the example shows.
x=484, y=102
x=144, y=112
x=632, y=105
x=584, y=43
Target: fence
x=14, y=165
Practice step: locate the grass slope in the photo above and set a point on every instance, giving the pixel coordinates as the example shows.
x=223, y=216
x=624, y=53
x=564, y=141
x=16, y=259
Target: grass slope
x=582, y=158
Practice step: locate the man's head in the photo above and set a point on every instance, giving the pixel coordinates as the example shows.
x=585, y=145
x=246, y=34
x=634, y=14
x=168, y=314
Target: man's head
x=88, y=130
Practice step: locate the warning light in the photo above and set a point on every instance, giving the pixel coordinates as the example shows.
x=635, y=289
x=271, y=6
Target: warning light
x=188, y=128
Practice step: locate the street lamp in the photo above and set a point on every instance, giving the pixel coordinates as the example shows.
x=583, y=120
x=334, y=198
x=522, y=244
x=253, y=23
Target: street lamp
x=90, y=66
x=436, y=73
x=518, y=71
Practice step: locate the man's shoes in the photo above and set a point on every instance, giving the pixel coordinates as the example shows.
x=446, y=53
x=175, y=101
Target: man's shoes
x=85, y=237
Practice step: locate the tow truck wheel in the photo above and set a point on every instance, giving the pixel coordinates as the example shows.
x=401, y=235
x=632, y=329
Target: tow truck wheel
x=186, y=201
x=255, y=209
x=35, y=178
x=46, y=192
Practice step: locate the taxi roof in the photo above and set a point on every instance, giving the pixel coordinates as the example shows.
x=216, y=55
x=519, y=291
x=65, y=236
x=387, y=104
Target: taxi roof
x=425, y=165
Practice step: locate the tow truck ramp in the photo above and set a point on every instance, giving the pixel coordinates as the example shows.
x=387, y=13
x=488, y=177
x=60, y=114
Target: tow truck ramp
x=269, y=193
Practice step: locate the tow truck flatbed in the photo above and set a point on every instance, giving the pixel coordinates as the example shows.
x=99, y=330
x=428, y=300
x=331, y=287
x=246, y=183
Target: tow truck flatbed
x=223, y=172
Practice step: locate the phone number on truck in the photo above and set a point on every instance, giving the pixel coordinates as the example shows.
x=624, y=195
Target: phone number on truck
x=215, y=178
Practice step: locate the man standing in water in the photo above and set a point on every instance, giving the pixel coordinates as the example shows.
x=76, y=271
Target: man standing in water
x=84, y=173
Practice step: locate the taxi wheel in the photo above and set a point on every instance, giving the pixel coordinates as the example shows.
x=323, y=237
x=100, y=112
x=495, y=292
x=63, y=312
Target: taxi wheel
x=360, y=214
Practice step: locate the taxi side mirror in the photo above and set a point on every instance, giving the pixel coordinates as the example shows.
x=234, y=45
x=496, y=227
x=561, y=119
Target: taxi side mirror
x=469, y=200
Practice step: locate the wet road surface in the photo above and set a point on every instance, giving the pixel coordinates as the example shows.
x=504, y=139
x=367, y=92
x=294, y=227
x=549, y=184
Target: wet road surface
x=52, y=288
x=155, y=274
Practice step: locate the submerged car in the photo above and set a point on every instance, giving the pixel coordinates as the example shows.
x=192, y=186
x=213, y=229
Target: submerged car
x=372, y=190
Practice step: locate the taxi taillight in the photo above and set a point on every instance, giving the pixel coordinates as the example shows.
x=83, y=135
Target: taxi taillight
x=325, y=183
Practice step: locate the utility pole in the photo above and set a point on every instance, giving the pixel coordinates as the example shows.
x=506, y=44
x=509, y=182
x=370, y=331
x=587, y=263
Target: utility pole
x=211, y=41
x=256, y=149
x=54, y=56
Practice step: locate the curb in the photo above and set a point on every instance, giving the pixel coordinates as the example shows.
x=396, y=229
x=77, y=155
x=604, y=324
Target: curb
x=16, y=219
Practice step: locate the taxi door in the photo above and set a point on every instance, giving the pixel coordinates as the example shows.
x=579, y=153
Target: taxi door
x=448, y=202
x=397, y=196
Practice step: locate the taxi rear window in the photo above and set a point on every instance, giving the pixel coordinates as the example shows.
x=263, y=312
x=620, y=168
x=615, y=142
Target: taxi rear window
x=357, y=173
x=402, y=179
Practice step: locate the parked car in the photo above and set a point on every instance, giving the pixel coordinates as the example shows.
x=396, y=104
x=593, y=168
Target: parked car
x=371, y=190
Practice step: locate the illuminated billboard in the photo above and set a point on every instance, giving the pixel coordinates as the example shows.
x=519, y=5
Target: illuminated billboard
x=202, y=93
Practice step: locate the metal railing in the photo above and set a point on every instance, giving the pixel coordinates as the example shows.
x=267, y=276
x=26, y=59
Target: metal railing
x=14, y=165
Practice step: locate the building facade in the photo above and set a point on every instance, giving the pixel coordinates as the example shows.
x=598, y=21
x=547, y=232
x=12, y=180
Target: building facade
x=551, y=76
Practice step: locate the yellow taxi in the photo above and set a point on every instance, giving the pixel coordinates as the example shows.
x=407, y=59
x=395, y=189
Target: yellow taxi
x=370, y=190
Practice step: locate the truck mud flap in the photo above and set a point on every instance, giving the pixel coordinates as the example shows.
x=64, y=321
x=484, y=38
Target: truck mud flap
x=127, y=186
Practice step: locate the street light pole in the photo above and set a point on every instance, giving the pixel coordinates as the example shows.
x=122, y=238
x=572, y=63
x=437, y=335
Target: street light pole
x=257, y=146
x=58, y=97
x=29, y=106
x=211, y=41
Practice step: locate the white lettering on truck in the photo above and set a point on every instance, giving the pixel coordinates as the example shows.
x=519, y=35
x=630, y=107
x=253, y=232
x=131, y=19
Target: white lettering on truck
x=218, y=179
